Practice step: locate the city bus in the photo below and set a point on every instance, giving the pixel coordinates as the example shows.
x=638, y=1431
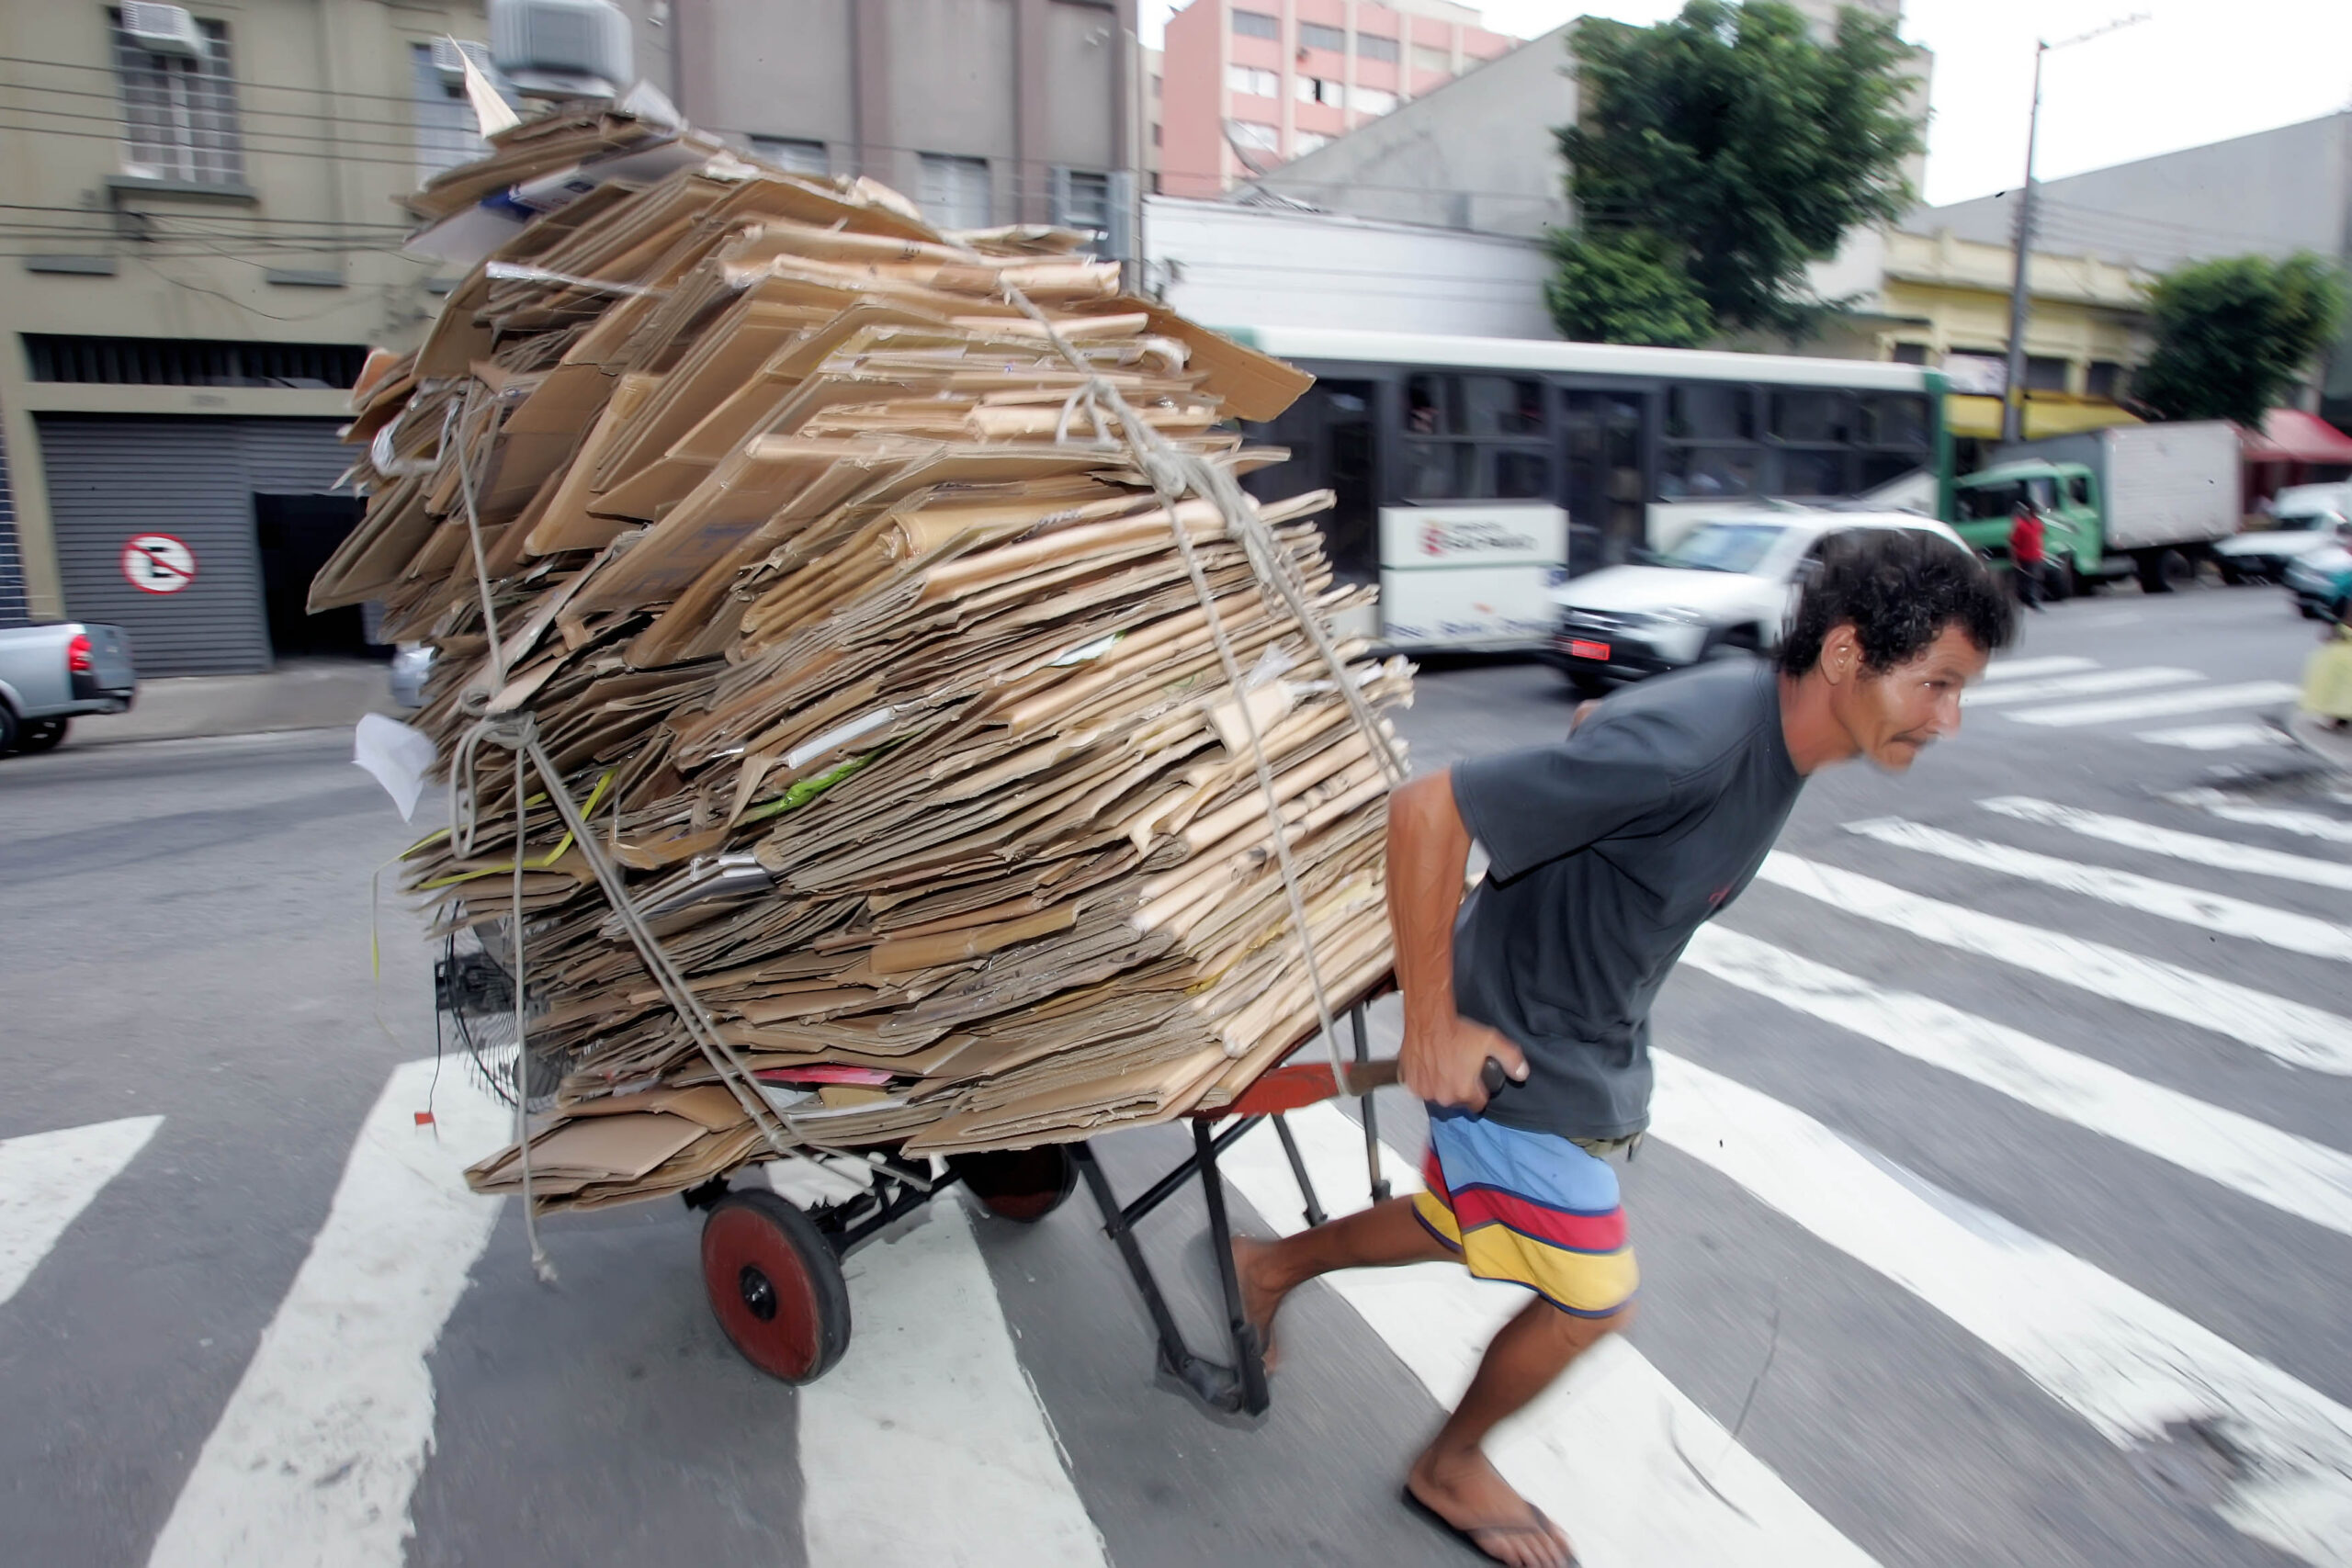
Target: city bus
x=1473, y=474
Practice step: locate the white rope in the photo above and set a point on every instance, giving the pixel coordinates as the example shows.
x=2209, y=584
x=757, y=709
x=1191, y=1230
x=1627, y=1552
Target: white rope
x=540, y=1265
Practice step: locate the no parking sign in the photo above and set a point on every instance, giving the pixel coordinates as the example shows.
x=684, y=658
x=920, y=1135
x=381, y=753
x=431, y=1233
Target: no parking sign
x=158, y=563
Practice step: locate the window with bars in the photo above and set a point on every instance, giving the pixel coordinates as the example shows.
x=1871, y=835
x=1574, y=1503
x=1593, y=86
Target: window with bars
x=190, y=362
x=955, y=191
x=179, y=112
x=445, y=117
x=797, y=154
x=1083, y=200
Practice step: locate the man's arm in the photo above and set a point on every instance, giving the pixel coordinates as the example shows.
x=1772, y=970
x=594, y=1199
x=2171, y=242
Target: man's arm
x=1429, y=853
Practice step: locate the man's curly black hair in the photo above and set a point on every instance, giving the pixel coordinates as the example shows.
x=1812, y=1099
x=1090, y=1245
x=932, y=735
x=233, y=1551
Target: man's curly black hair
x=1899, y=588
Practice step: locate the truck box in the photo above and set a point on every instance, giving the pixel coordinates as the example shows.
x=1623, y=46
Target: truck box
x=2158, y=484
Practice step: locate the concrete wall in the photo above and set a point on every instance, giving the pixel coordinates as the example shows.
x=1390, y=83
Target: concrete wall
x=1238, y=266
x=323, y=89
x=782, y=70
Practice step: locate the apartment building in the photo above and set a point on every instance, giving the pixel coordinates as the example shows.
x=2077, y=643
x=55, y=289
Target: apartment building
x=1248, y=86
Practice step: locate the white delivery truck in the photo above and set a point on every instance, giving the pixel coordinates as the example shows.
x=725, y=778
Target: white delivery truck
x=2145, y=499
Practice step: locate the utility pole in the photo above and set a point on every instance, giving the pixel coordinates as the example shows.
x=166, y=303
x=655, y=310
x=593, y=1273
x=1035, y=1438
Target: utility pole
x=2012, y=391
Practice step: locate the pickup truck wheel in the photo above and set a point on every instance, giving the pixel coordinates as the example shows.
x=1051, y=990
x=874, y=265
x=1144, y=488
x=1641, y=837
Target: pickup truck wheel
x=8, y=730
x=2232, y=575
x=40, y=735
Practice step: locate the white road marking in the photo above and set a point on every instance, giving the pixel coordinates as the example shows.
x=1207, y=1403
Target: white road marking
x=2030, y=669
x=2310, y=824
x=2167, y=900
x=1596, y=1450
x=926, y=1444
x=48, y=1178
x=2076, y=686
x=316, y=1456
x=2128, y=1365
x=2294, y=1174
x=2296, y=1035
x=2216, y=737
x=2196, y=699
x=2170, y=841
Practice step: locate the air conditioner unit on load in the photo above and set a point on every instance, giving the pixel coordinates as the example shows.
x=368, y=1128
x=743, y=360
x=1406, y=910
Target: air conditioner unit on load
x=163, y=29
x=561, y=48
x=449, y=59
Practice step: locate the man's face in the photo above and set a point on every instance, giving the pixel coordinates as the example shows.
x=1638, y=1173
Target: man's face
x=1892, y=716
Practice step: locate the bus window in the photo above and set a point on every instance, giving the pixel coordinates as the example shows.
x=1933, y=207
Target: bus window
x=1895, y=419
x=1705, y=473
x=1885, y=468
x=1432, y=405
x=1502, y=405
x=1520, y=473
x=1700, y=410
x=1813, y=418
x=1438, y=471
x=1813, y=473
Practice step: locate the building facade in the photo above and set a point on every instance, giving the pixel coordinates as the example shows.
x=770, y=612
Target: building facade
x=1247, y=87
x=207, y=242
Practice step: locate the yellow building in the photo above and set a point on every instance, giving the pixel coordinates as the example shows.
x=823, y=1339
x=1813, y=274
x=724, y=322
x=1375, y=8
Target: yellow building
x=1945, y=302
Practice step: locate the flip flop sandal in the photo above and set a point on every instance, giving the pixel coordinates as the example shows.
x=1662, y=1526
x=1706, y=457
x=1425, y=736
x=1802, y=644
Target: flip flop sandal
x=1539, y=1525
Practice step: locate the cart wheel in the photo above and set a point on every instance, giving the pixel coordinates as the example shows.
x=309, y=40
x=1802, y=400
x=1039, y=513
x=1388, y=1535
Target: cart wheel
x=774, y=1285
x=1022, y=1185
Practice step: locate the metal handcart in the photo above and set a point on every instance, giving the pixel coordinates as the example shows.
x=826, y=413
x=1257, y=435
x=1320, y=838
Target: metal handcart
x=773, y=1268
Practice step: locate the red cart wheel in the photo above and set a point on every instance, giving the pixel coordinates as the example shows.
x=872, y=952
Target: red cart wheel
x=774, y=1285
x=1021, y=1185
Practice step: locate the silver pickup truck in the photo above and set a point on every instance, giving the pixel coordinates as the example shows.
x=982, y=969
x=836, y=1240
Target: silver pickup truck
x=50, y=673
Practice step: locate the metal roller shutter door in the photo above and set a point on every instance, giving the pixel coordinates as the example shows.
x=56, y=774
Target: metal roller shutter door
x=193, y=479
x=13, y=609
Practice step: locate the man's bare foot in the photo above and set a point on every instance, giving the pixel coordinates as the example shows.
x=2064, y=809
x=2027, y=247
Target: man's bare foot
x=1469, y=1493
x=1261, y=1296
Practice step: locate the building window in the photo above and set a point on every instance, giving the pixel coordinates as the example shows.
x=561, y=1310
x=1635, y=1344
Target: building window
x=190, y=362
x=445, y=117
x=179, y=111
x=1083, y=200
x=1257, y=24
x=956, y=192
x=1318, y=90
x=2044, y=374
x=1256, y=137
x=2105, y=380
x=1910, y=353
x=1372, y=100
x=1372, y=46
x=1253, y=80
x=1155, y=86
x=1428, y=59
x=1313, y=35
x=797, y=153
x=1306, y=142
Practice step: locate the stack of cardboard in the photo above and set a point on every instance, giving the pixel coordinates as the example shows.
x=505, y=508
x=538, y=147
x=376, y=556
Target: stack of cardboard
x=870, y=655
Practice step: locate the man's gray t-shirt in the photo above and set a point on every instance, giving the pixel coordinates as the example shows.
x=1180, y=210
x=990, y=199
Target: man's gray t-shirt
x=1605, y=853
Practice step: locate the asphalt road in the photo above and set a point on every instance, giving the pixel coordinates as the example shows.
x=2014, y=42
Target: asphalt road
x=1997, y=1209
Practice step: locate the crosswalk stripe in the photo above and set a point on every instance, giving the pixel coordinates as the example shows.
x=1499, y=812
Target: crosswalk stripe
x=2301, y=1035
x=1598, y=1451
x=2294, y=1174
x=926, y=1443
x=2033, y=669
x=315, y=1457
x=2215, y=736
x=2167, y=900
x=2171, y=842
x=2309, y=824
x=2128, y=1365
x=48, y=1178
x=2076, y=685
x=2196, y=699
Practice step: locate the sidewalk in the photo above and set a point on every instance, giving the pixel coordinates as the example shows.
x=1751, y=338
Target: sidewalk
x=298, y=694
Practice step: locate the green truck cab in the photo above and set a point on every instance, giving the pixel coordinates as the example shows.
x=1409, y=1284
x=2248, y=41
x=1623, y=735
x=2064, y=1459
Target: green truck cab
x=1986, y=506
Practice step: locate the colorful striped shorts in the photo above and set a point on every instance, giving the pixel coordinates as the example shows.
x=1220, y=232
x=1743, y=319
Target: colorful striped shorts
x=1531, y=1208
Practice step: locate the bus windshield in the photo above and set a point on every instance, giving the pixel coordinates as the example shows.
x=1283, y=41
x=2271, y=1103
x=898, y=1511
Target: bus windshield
x=1725, y=546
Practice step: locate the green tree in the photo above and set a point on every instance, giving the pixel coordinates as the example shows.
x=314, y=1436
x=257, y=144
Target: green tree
x=2234, y=335
x=1739, y=149
x=1623, y=288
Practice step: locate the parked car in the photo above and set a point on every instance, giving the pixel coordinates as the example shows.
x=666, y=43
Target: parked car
x=2305, y=518
x=2322, y=582
x=1726, y=587
x=51, y=672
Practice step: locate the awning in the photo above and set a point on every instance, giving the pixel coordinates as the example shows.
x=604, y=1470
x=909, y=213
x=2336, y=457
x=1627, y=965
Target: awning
x=2291, y=435
x=1981, y=417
